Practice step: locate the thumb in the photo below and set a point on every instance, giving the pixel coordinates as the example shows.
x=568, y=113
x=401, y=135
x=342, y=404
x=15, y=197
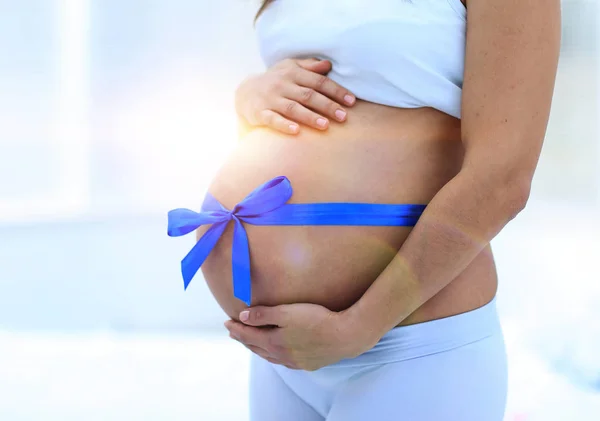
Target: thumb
x=315, y=65
x=264, y=316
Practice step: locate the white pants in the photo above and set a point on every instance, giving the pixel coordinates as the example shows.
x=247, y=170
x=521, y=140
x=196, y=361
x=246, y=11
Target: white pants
x=451, y=369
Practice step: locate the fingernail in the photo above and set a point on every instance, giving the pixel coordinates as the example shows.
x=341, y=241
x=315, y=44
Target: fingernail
x=340, y=114
x=244, y=316
x=293, y=128
x=349, y=99
x=321, y=122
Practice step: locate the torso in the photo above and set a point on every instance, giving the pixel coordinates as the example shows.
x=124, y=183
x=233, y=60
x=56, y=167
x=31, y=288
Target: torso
x=380, y=155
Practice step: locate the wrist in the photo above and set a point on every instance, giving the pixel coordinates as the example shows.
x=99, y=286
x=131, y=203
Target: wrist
x=361, y=331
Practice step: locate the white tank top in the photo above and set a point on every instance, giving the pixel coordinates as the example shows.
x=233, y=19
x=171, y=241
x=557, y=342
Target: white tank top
x=401, y=53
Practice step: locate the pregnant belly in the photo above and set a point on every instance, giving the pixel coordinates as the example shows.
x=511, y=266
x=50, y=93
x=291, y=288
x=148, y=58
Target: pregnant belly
x=380, y=155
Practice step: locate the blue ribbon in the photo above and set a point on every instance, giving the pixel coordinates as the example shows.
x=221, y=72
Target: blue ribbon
x=267, y=205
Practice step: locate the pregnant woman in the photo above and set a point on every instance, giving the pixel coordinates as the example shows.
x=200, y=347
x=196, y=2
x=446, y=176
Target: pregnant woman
x=347, y=236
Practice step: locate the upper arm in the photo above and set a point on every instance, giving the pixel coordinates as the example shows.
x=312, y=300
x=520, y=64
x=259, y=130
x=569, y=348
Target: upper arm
x=510, y=67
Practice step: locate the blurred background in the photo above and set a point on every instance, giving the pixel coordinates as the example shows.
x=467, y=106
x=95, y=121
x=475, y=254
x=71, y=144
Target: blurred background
x=112, y=112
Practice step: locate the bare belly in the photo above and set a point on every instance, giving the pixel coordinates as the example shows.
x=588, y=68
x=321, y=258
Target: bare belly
x=380, y=155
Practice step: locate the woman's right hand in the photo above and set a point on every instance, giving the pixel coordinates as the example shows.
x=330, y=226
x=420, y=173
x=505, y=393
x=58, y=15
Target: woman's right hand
x=291, y=93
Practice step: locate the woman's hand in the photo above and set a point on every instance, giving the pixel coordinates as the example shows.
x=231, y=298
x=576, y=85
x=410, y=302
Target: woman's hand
x=301, y=336
x=290, y=93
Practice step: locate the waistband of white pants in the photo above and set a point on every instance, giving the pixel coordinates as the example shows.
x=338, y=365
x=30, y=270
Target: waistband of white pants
x=432, y=337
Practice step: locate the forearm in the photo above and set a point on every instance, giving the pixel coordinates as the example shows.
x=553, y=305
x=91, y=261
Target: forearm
x=454, y=228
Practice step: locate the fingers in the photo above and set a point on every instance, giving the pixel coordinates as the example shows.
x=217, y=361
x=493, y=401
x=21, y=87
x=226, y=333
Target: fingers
x=249, y=335
x=265, y=316
x=313, y=100
x=286, y=116
x=314, y=105
x=314, y=65
x=325, y=86
x=291, y=93
x=265, y=342
x=276, y=121
x=296, y=111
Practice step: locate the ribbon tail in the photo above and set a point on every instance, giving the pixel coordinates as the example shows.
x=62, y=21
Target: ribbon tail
x=240, y=259
x=195, y=258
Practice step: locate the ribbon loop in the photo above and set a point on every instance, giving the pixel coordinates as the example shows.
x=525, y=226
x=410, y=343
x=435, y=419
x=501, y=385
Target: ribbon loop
x=267, y=197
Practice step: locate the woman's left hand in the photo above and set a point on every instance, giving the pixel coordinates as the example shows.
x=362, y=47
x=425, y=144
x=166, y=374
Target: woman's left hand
x=300, y=336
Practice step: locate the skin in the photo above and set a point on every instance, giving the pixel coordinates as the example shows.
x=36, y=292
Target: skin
x=511, y=60
x=292, y=92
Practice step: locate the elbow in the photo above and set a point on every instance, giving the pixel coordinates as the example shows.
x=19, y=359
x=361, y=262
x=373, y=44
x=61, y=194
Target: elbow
x=505, y=192
x=515, y=194
x=505, y=176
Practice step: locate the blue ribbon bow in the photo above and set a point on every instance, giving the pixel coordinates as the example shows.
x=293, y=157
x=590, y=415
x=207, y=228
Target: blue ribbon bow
x=266, y=205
